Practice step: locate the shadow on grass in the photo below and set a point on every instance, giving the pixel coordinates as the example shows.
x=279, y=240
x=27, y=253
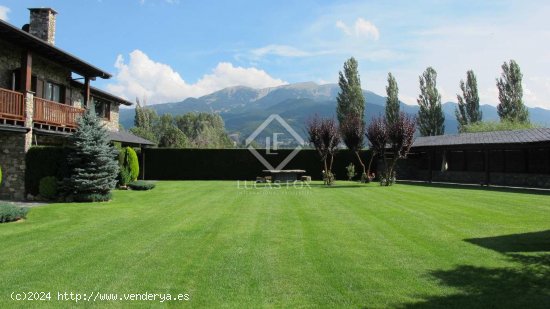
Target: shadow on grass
x=526, y=242
x=477, y=187
x=526, y=285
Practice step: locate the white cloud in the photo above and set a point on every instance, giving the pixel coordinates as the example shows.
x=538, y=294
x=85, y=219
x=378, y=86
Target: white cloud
x=4, y=11
x=159, y=83
x=279, y=50
x=361, y=29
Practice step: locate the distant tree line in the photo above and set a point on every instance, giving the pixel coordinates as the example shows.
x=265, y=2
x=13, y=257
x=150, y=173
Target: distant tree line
x=190, y=130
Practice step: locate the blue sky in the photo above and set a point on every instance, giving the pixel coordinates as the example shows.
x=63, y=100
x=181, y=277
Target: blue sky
x=167, y=50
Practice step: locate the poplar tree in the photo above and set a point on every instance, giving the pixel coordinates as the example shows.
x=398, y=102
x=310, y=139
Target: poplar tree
x=350, y=99
x=467, y=111
x=392, y=100
x=510, y=94
x=430, y=116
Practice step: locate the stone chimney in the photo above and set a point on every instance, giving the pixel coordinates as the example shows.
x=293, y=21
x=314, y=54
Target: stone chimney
x=42, y=24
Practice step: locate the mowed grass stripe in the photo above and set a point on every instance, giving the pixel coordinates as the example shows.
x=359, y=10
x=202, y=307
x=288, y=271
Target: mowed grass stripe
x=350, y=245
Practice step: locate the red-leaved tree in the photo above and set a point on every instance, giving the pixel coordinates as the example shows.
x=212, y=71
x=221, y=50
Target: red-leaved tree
x=378, y=136
x=396, y=137
x=352, y=130
x=324, y=135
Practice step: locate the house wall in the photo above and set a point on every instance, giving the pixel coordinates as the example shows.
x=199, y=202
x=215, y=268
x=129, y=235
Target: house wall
x=51, y=71
x=10, y=59
x=12, y=161
x=112, y=123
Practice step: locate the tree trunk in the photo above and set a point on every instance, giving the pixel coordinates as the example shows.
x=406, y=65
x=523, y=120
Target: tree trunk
x=361, y=162
x=370, y=162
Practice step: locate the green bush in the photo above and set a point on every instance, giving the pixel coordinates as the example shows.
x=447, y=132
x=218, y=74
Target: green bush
x=0, y=175
x=128, y=159
x=92, y=197
x=124, y=176
x=48, y=187
x=42, y=162
x=350, y=171
x=141, y=185
x=9, y=213
x=490, y=126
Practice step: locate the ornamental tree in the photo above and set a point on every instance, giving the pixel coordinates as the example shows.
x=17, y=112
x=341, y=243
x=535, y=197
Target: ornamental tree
x=353, y=135
x=92, y=161
x=324, y=136
x=378, y=136
x=401, y=137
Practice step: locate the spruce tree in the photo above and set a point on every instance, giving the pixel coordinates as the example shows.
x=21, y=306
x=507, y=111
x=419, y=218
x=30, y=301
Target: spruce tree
x=468, y=111
x=92, y=161
x=510, y=94
x=430, y=116
x=350, y=99
x=392, y=100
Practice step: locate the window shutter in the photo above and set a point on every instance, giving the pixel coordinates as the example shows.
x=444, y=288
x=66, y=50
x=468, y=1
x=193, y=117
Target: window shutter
x=40, y=88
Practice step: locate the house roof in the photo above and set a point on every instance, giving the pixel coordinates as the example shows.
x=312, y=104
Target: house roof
x=127, y=137
x=539, y=135
x=11, y=33
x=103, y=94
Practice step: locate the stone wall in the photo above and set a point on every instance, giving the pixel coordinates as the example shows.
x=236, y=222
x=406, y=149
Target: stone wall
x=49, y=140
x=10, y=59
x=112, y=124
x=42, y=24
x=12, y=161
x=51, y=71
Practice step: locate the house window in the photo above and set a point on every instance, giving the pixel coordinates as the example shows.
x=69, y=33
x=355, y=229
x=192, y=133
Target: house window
x=102, y=108
x=53, y=92
x=48, y=90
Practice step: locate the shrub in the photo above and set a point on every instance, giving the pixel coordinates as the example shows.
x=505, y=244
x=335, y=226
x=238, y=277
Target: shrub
x=490, y=126
x=350, y=171
x=141, y=185
x=0, y=175
x=9, y=213
x=92, y=197
x=128, y=160
x=133, y=162
x=48, y=187
x=124, y=176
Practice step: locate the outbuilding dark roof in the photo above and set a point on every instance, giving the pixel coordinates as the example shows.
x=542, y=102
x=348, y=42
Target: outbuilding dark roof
x=127, y=137
x=11, y=33
x=486, y=138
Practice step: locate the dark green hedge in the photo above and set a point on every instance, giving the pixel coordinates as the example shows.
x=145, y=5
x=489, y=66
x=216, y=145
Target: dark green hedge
x=42, y=162
x=234, y=164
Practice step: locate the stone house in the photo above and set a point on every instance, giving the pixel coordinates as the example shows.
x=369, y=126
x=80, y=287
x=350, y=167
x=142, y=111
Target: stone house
x=43, y=90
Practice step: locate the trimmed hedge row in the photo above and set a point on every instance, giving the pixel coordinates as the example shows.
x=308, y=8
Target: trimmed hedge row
x=235, y=164
x=43, y=162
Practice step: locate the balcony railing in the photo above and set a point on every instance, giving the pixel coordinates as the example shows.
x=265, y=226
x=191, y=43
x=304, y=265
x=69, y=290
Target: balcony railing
x=56, y=114
x=12, y=106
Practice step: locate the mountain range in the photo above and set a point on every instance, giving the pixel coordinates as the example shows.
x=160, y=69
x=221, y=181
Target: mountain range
x=243, y=109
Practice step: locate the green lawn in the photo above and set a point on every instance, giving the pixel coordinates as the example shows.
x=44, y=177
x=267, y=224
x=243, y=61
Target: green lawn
x=344, y=246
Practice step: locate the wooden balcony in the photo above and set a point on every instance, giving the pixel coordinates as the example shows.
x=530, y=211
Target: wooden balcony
x=55, y=116
x=48, y=115
x=12, y=107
